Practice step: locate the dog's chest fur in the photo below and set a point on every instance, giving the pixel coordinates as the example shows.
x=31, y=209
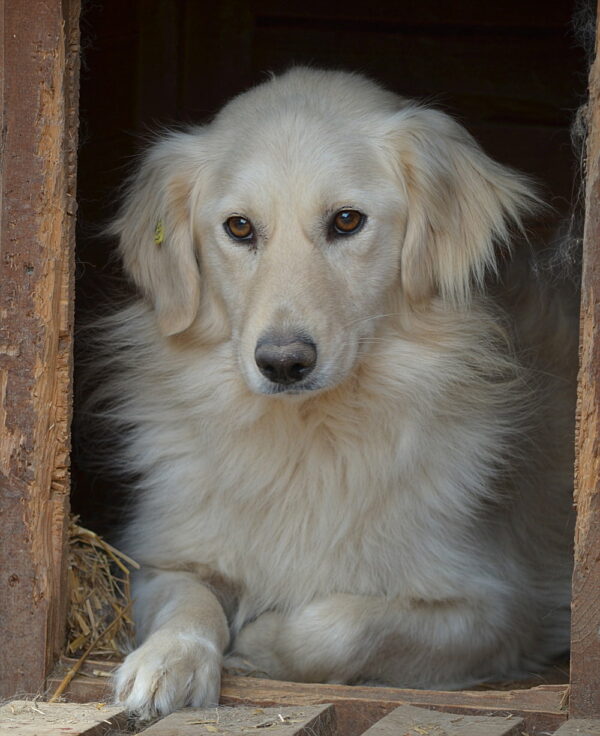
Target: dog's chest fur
x=296, y=500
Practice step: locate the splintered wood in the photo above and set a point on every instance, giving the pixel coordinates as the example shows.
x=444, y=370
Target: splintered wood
x=34, y=718
x=410, y=721
x=305, y=721
x=38, y=119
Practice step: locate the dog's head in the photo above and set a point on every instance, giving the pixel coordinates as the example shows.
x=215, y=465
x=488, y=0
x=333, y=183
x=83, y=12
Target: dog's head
x=310, y=206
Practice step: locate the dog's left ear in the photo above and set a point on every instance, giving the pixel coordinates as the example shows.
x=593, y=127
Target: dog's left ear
x=154, y=227
x=460, y=203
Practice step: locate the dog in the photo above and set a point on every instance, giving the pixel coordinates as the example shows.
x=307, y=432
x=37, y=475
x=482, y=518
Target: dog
x=347, y=408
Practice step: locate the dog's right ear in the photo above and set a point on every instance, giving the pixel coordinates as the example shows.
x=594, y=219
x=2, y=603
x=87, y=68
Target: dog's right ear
x=155, y=233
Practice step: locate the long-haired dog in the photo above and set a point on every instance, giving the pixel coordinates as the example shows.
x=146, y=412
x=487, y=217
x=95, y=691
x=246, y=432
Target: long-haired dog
x=353, y=454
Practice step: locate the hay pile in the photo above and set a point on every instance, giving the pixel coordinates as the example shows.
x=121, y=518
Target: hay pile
x=99, y=623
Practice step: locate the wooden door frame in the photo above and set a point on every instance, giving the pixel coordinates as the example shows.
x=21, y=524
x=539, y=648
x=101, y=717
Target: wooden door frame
x=585, y=626
x=39, y=64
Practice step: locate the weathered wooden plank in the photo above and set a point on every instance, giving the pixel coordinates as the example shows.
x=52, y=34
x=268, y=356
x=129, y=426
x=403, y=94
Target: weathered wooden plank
x=305, y=721
x=358, y=708
x=39, y=42
x=410, y=721
x=585, y=631
x=35, y=718
x=579, y=727
x=543, y=708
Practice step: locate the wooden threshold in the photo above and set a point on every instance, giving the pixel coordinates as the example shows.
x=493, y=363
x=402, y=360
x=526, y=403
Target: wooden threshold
x=543, y=708
x=304, y=721
x=36, y=718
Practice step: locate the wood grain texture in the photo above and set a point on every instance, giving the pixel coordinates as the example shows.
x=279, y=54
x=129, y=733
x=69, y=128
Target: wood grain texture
x=303, y=721
x=357, y=708
x=35, y=718
x=579, y=727
x=410, y=721
x=585, y=631
x=40, y=49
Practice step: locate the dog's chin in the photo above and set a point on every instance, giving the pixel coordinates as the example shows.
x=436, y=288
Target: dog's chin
x=295, y=391
x=299, y=391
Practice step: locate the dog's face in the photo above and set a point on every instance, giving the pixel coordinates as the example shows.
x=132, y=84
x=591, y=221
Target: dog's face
x=299, y=232
x=304, y=211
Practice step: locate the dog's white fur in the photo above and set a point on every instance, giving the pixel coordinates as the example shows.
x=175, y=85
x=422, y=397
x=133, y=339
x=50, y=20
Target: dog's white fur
x=402, y=516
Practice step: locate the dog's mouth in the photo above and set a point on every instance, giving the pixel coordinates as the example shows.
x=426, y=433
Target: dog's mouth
x=310, y=385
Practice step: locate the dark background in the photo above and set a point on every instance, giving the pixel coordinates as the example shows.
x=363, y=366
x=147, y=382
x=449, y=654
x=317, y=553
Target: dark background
x=512, y=72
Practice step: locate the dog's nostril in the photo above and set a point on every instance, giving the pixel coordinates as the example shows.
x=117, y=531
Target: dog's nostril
x=298, y=370
x=285, y=360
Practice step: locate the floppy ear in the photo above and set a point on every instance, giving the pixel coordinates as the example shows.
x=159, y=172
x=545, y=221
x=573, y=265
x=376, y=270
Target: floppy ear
x=460, y=205
x=155, y=235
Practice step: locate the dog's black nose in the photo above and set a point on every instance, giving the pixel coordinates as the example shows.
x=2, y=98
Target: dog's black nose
x=285, y=360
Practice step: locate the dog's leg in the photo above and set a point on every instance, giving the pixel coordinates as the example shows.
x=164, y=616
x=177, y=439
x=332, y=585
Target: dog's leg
x=184, y=632
x=346, y=638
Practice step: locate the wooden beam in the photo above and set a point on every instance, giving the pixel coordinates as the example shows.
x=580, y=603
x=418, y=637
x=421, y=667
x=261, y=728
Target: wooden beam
x=34, y=718
x=304, y=721
x=585, y=631
x=357, y=708
x=39, y=56
x=579, y=727
x=410, y=721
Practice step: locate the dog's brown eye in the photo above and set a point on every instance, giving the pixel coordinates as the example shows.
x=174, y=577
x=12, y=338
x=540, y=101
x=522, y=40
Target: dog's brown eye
x=239, y=228
x=347, y=222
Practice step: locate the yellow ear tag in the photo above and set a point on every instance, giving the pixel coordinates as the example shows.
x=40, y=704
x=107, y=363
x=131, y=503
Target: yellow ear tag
x=159, y=233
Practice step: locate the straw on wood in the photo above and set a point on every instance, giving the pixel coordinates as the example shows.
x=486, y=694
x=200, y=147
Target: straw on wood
x=99, y=623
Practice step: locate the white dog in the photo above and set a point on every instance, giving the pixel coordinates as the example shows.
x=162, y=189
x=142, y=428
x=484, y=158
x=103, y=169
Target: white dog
x=353, y=459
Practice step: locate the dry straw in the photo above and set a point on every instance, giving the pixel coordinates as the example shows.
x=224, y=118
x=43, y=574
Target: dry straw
x=99, y=596
x=99, y=620
x=99, y=623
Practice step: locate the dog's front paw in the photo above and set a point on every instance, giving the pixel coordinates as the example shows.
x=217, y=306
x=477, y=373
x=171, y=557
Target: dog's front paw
x=168, y=671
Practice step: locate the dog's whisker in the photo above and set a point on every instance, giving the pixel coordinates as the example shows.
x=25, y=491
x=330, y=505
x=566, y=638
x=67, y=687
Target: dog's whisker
x=370, y=318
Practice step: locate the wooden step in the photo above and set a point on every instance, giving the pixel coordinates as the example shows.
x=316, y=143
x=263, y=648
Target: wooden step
x=543, y=708
x=410, y=721
x=37, y=718
x=307, y=721
x=579, y=727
